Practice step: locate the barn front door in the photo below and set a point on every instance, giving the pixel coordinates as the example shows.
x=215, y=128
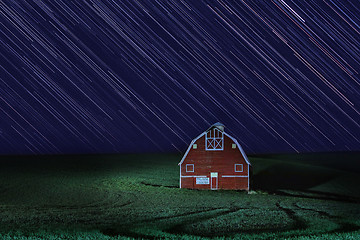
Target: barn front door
x=214, y=180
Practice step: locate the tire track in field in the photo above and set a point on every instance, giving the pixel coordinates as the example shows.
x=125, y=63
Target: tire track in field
x=126, y=230
x=320, y=196
x=321, y=213
x=299, y=224
x=343, y=226
x=53, y=212
x=177, y=228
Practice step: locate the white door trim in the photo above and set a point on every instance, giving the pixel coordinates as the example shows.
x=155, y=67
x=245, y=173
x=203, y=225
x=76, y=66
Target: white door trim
x=214, y=175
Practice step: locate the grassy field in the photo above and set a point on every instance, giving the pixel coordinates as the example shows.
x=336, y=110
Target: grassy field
x=307, y=196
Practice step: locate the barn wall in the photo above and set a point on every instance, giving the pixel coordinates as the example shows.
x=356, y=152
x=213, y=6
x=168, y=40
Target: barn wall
x=234, y=183
x=221, y=162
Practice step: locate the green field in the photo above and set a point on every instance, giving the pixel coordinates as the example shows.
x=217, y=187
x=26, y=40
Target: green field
x=307, y=196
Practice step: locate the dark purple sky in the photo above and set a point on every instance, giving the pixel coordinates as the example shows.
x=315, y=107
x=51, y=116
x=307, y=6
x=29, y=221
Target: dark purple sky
x=149, y=76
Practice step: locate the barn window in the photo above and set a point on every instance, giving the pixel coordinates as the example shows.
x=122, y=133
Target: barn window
x=214, y=139
x=233, y=145
x=194, y=146
x=238, y=167
x=189, y=167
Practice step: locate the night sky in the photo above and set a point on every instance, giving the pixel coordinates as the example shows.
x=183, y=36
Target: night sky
x=149, y=76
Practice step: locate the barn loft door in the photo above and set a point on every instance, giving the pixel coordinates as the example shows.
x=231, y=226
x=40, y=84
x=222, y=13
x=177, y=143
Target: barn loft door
x=214, y=139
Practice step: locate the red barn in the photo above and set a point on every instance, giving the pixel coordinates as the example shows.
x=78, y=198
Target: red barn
x=215, y=160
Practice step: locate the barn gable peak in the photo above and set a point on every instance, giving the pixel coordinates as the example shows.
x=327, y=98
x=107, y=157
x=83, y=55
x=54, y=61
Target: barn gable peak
x=217, y=125
x=221, y=127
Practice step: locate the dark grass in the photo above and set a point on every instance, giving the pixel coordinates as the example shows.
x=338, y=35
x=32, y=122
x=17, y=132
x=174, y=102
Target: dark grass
x=303, y=196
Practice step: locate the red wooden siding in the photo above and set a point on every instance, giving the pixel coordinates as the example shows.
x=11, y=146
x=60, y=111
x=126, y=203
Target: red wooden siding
x=220, y=161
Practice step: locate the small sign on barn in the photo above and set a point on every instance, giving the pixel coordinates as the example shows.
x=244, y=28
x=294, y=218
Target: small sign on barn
x=202, y=180
x=215, y=160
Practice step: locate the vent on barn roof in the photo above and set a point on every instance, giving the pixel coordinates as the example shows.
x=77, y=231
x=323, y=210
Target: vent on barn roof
x=217, y=125
x=214, y=138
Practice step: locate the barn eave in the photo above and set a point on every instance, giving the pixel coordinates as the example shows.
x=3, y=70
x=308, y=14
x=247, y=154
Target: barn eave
x=240, y=148
x=188, y=150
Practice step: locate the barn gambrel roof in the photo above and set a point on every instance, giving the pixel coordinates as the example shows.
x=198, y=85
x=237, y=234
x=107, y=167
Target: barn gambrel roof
x=202, y=134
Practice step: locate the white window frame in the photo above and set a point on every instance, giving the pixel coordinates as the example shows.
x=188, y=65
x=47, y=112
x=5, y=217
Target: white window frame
x=242, y=167
x=217, y=142
x=186, y=167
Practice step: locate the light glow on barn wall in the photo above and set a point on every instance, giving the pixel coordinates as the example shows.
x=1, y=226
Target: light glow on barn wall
x=149, y=76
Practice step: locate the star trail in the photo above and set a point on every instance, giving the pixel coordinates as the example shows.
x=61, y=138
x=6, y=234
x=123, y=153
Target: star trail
x=149, y=76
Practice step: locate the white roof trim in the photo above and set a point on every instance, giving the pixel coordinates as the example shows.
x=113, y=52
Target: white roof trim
x=192, y=142
x=240, y=148
x=202, y=134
